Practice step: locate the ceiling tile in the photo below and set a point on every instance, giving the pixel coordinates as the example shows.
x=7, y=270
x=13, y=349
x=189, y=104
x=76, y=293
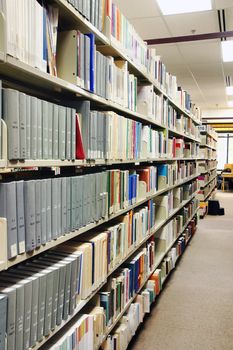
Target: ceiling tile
x=150, y=28
x=201, y=22
x=170, y=54
x=201, y=51
x=223, y=4
x=138, y=9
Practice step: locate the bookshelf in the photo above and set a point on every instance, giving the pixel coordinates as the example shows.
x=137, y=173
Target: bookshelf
x=157, y=263
x=208, y=169
x=179, y=159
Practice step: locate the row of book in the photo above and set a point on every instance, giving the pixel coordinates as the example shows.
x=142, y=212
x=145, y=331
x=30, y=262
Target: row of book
x=207, y=153
x=208, y=140
x=121, y=289
x=203, y=179
x=38, y=129
x=181, y=123
x=32, y=36
x=205, y=128
x=38, y=211
x=107, y=135
x=94, y=71
x=103, y=75
x=205, y=192
x=178, y=148
x=206, y=166
x=129, y=323
x=94, y=11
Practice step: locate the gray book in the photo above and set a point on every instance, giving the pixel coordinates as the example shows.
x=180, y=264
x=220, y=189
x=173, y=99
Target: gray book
x=54, y=207
x=92, y=13
x=63, y=205
x=28, y=127
x=39, y=129
x=73, y=202
x=49, y=209
x=50, y=130
x=80, y=201
x=23, y=307
x=61, y=286
x=96, y=13
x=92, y=199
x=34, y=116
x=74, y=262
x=59, y=207
x=30, y=214
x=56, y=272
x=45, y=130
x=42, y=277
x=73, y=134
x=77, y=188
x=22, y=272
x=68, y=204
x=8, y=282
x=43, y=212
x=67, y=262
x=22, y=125
x=55, y=131
x=10, y=293
x=62, y=132
x=68, y=133
x=38, y=213
x=11, y=117
x=100, y=17
x=84, y=200
x=8, y=210
x=3, y=320
x=20, y=216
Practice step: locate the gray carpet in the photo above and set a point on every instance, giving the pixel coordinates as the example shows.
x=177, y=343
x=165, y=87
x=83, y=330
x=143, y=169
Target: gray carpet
x=195, y=310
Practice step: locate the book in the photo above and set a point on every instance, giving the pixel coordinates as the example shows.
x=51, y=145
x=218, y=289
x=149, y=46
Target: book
x=11, y=117
x=8, y=210
x=30, y=214
x=20, y=216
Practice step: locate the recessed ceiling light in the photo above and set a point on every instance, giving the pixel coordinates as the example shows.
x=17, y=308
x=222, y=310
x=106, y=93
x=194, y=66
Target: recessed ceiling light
x=172, y=7
x=229, y=90
x=230, y=103
x=227, y=51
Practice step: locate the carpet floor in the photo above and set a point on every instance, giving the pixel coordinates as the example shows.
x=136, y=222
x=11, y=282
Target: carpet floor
x=195, y=309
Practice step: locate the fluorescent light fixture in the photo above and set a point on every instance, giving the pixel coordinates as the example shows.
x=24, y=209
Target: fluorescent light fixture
x=229, y=90
x=230, y=104
x=173, y=7
x=227, y=51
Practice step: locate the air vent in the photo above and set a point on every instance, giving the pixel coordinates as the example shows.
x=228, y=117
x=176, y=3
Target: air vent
x=222, y=22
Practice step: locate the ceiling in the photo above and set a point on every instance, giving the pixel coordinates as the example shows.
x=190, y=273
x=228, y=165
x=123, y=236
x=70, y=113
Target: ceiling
x=198, y=65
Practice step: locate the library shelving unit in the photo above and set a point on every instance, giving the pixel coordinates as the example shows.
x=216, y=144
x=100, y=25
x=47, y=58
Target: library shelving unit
x=207, y=167
x=130, y=199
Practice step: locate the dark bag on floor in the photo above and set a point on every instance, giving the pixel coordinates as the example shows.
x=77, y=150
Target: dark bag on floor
x=213, y=207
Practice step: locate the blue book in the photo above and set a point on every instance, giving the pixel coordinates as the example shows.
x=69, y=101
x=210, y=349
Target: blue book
x=92, y=61
x=162, y=170
x=130, y=189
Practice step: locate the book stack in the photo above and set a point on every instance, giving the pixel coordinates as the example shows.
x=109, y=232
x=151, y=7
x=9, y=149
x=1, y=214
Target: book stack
x=38, y=211
x=93, y=71
x=44, y=291
x=94, y=11
x=31, y=37
x=38, y=129
x=127, y=38
x=184, y=99
x=127, y=187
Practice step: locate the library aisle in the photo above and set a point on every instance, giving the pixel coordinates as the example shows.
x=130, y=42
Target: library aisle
x=194, y=311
